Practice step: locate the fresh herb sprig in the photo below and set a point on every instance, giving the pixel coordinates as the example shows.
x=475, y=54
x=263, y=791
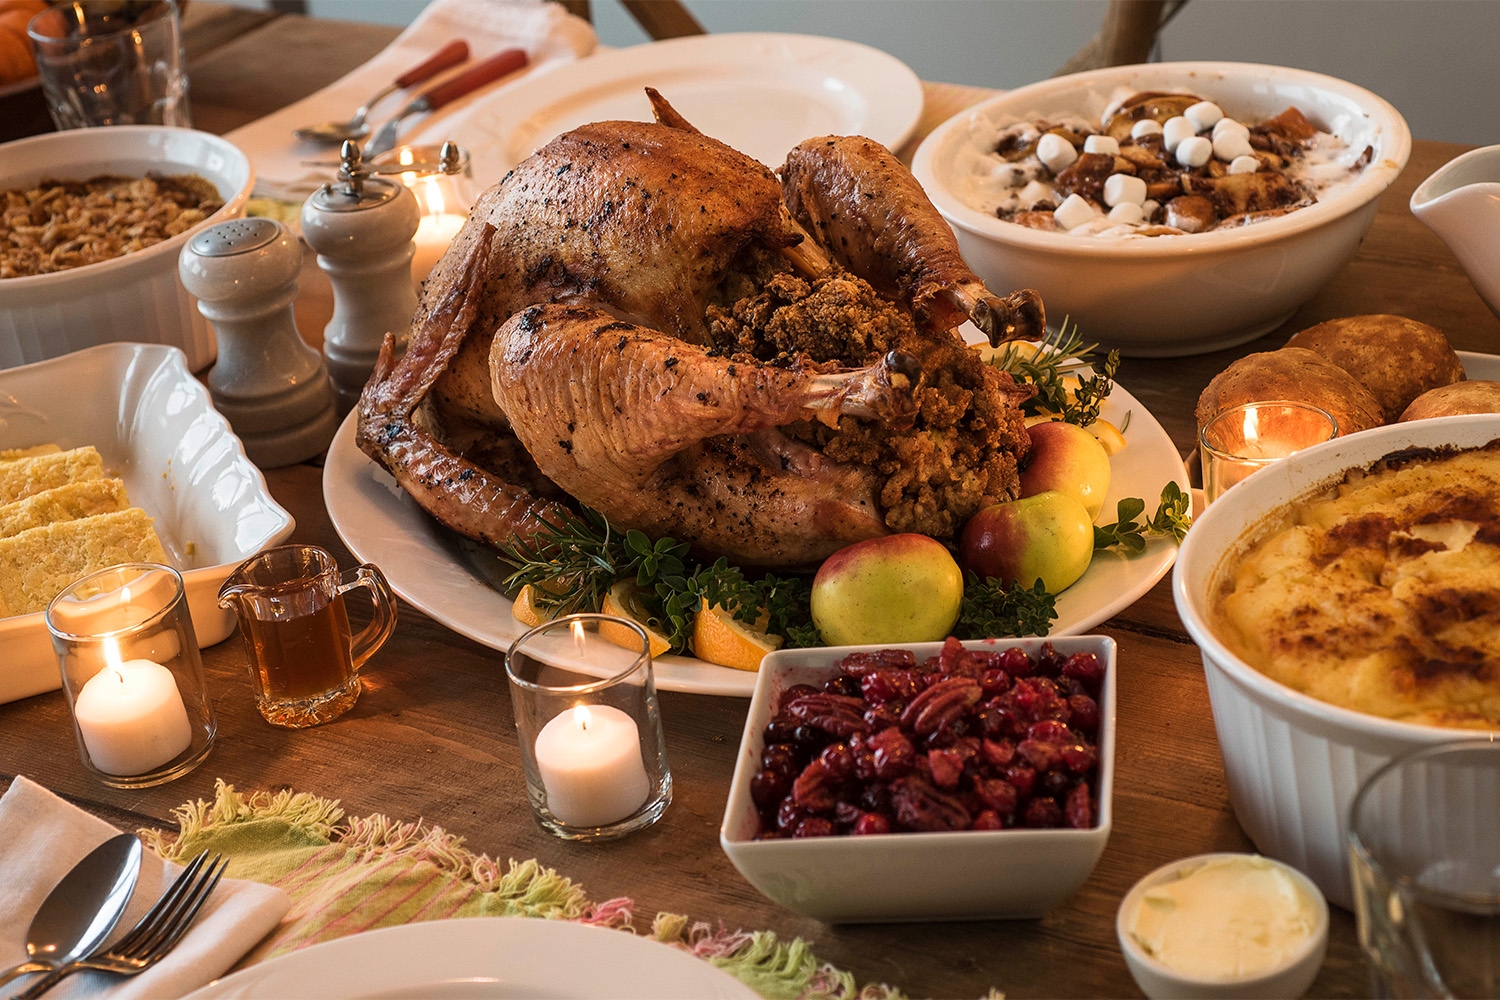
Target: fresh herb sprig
x=1171, y=518
x=1059, y=356
x=990, y=609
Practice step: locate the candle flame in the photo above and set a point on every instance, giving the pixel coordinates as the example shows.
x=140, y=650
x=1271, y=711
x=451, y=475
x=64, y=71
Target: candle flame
x=578, y=637
x=582, y=717
x=1252, y=426
x=112, y=659
x=430, y=197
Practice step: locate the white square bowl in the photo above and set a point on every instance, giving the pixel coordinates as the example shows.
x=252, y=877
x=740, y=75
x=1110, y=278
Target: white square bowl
x=966, y=875
x=156, y=429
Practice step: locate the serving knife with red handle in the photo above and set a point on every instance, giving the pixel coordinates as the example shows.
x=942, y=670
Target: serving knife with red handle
x=486, y=71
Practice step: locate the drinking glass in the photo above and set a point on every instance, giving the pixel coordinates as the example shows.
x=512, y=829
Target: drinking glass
x=133, y=677
x=589, y=726
x=1424, y=850
x=1251, y=436
x=304, y=659
x=112, y=62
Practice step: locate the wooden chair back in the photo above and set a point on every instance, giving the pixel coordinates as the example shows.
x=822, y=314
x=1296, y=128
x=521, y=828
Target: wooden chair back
x=660, y=18
x=1127, y=36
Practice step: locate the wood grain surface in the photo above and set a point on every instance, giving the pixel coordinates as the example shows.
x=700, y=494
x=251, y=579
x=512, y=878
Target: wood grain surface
x=432, y=736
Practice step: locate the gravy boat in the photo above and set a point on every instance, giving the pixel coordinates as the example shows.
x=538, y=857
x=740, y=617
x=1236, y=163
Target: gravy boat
x=1461, y=203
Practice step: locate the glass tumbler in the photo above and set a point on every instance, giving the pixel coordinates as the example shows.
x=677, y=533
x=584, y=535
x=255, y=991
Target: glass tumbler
x=1249, y=437
x=589, y=726
x=133, y=677
x=444, y=200
x=105, y=62
x=1424, y=853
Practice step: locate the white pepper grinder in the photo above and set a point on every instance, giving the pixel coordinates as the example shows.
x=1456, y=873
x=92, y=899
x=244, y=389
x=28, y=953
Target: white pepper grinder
x=362, y=229
x=269, y=384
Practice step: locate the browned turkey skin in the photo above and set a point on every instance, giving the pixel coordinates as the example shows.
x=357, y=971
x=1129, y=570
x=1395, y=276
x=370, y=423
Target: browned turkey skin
x=605, y=308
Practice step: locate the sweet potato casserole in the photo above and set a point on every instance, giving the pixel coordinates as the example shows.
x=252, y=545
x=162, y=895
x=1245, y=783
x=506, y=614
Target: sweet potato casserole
x=1382, y=593
x=61, y=224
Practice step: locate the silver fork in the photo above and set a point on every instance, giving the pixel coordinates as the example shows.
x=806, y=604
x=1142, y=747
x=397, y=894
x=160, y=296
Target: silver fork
x=157, y=933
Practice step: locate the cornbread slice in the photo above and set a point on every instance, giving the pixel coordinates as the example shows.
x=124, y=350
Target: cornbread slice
x=37, y=564
x=22, y=477
x=84, y=498
x=11, y=454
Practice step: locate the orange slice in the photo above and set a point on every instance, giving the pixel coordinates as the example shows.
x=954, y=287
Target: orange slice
x=720, y=638
x=623, y=601
x=1109, y=435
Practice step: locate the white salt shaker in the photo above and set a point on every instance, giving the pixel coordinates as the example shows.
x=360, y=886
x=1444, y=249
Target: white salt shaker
x=362, y=228
x=269, y=384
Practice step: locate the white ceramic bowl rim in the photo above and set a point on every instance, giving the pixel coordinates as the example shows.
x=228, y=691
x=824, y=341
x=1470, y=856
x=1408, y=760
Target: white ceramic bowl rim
x=1206, y=533
x=1164, y=874
x=236, y=157
x=1393, y=150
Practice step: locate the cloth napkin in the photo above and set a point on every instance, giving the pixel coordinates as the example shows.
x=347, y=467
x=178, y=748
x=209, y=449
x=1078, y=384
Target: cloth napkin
x=42, y=838
x=549, y=34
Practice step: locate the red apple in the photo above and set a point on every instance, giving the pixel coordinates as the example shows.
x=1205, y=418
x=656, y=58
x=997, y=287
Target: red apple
x=900, y=588
x=1047, y=537
x=1068, y=459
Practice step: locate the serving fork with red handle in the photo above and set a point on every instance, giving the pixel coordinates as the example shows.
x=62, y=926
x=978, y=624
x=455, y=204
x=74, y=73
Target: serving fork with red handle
x=486, y=71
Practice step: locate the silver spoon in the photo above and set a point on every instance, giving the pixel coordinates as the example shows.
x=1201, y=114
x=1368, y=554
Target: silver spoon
x=358, y=127
x=82, y=909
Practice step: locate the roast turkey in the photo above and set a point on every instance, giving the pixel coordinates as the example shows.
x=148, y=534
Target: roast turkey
x=641, y=319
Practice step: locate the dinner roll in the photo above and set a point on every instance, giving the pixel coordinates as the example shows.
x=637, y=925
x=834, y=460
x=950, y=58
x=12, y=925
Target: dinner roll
x=1396, y=358
x=1295, y=374
x=1479, y=396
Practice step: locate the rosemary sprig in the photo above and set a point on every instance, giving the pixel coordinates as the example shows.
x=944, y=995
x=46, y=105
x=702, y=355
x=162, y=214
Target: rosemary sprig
x=1061, y=355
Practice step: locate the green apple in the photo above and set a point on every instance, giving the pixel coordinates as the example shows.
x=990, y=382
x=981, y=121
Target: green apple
x=900, y=588
x=1047, y=537
x=1066, y=458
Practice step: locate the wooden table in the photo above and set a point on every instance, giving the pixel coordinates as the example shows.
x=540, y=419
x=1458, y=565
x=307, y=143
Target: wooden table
x=432, y=736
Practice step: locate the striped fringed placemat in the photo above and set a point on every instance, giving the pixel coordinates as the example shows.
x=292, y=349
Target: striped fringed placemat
x=348, y=875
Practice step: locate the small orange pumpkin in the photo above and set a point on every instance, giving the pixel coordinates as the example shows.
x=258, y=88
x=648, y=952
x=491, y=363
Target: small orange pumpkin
x=16, y=59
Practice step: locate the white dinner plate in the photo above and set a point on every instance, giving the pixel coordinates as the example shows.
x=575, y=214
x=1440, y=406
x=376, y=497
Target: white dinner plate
x=762, y=94
x=489, y=957
x=426, y=565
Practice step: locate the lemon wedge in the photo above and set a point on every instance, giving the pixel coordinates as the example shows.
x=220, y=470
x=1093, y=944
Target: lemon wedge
x=720, y=638
x=1109, y=435
x=624, y=601
x=526, y=609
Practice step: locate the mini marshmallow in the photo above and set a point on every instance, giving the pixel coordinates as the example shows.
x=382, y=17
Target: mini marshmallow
x=1230, y=144
x=1244, y=165
x=1194, y=152
x=1176, y=130
x=1327, y=171
x=1120, y=189
x=1150, y=206
x=1229, y=125
x=1101, y=144
x=1203, y=114
x=1127, y=211
x=1145, y=127
x=1055, y=152
x=1074, y=211
x=1035, y=193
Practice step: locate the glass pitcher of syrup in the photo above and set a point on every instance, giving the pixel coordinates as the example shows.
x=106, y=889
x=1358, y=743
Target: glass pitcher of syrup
x=304, y=659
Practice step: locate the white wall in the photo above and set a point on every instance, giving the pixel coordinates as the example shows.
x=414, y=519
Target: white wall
x=1435, y=60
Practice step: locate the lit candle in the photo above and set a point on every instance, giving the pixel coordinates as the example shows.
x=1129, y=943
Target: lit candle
x=131, y=716
x=1250, y=437
x=434, y=234
x=591, y=766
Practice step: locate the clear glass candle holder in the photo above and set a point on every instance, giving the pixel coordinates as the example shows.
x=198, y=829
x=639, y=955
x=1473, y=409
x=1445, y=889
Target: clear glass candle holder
x=1424, y=855
x=1246, y=438
x=132, y=674
x=589, y=726
x=444, y=200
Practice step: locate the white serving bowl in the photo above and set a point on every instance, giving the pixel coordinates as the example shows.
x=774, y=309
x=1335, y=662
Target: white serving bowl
x=1160, y=981
x=1169, y=296
x=1294, y=763
x=967, y=875
x=136, y=297
x=154, y=426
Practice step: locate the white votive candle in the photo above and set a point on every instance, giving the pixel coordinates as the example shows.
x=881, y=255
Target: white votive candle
x=132, y=718
x=434, y=234
x=591, y=766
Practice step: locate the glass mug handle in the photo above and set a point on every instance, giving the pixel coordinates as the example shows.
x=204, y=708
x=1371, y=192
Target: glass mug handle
x=373, y=635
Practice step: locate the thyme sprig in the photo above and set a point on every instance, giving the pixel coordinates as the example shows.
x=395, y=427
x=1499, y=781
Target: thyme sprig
x=991, y=610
